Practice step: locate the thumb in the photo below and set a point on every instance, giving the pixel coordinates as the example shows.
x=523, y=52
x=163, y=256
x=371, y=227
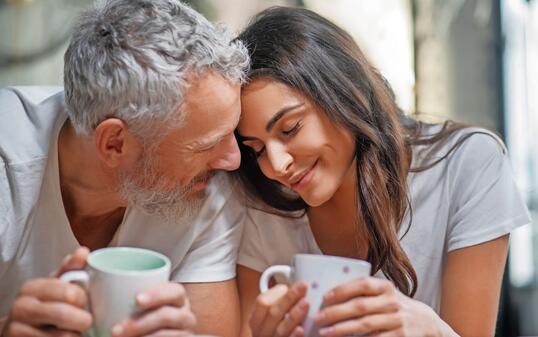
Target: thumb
x=75, y=261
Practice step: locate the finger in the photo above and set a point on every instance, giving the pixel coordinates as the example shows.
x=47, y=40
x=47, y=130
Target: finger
x=366, y=286
x=294, y=319
x=391, y=333
x=171, y=333
x=54, y=290
x=263, y=303
x=295, y=293
x=18, y=329
x=367, y=324
x=164, y=294
x=61, y=315
x=63, y=333
x=281, y=307
x=356, y=308
x=75, y=261
x=298, y=332
x=166, y=317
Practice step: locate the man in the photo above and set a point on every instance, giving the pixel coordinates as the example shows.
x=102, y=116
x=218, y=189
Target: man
x=123, y=157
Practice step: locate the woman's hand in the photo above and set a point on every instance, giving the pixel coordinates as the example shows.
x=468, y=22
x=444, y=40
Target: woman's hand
x=280, y=311
x=374, y=307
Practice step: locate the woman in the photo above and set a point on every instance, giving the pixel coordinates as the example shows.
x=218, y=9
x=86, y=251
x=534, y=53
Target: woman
x=340, y=171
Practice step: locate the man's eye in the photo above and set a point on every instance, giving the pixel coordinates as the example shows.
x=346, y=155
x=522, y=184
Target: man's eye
x=256, y=147
x=206, y=149
x=259, y=152
x=293, y=130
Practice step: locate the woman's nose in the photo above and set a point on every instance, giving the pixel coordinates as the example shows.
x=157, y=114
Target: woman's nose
x=279, y=158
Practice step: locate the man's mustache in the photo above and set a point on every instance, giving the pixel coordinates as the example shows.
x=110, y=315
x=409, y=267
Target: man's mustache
x=205, y=177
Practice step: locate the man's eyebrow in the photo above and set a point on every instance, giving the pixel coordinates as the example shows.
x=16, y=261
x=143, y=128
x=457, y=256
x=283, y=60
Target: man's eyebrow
x=281, y=114
x=202, y=146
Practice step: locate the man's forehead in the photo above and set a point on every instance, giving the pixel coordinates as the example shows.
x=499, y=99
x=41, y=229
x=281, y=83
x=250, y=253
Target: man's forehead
x=210, y=88
x=205, y=126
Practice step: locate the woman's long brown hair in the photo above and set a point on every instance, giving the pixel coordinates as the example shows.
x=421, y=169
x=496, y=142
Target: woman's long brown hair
x=321, y=61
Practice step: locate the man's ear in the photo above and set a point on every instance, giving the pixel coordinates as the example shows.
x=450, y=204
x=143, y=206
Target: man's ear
x=115, y=145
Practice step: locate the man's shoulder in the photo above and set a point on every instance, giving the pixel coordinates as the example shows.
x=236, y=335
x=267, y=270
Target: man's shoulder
x=223, y=189
x=28, y=115
x=31, y=94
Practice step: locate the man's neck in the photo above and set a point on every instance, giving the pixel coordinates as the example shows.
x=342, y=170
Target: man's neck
x=89, y=189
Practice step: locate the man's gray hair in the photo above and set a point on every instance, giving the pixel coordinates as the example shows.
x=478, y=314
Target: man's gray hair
x=132, y=59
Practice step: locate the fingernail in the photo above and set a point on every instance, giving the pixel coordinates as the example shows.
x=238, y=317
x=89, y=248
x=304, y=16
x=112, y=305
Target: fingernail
x=117, y=330
x=328, y=295
x=143, y=299
x=67, y=258
x=325, y=331
x=303, y=304
x=319, y=316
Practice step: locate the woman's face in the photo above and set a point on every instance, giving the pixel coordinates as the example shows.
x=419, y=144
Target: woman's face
x=296, y=144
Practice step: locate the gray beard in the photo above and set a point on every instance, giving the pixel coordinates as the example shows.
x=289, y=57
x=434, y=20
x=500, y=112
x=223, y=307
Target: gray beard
x=147, y=190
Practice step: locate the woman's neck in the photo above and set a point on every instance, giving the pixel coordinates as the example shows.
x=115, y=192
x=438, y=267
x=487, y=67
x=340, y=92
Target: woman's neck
x=335, y=224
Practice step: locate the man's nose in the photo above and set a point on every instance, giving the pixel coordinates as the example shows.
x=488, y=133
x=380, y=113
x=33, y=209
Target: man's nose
x=227, y=155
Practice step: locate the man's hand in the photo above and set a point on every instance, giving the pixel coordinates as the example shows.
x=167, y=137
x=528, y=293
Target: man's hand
x=165, y=312
x=48, y=307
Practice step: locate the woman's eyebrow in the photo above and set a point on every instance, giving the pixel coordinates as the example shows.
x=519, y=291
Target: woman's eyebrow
x=281, y=114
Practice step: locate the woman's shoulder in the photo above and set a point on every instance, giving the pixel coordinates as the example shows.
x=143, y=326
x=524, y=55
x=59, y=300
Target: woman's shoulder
x=267, y=219
x=264, y=231
x=467, y=144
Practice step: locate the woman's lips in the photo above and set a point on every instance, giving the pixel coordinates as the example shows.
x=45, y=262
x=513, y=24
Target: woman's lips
x=304, y=179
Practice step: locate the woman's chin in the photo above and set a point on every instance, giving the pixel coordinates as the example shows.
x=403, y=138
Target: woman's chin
x=314, y=200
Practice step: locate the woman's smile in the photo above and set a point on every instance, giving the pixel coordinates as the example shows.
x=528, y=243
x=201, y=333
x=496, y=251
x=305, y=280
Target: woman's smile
x=301, y=180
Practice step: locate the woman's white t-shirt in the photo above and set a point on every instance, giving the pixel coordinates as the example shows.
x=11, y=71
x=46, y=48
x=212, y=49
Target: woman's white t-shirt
x=466, y=199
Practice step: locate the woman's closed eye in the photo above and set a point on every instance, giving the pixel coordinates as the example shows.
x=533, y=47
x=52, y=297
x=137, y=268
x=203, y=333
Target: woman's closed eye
x=258, y=151
x=259, y=148
x=293, y=130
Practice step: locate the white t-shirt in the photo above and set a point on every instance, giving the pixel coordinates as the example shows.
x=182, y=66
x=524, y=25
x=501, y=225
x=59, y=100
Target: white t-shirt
x=34, y=231
x=464, y=200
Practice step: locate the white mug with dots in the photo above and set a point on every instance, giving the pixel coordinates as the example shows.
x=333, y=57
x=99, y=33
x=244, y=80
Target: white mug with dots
x=322, y=273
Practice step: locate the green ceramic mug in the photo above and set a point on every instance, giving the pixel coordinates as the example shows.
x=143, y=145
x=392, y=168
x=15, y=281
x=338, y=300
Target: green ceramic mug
x=113, y=278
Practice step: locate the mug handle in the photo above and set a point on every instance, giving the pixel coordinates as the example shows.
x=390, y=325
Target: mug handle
x=272, y=271
x=79, y=277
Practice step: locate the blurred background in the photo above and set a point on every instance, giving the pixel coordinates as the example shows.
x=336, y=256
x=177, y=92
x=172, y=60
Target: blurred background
x=473, y=61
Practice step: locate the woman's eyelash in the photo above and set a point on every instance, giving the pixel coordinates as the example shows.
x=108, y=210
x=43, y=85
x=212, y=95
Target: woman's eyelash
x=287, y=133
x=293, y=130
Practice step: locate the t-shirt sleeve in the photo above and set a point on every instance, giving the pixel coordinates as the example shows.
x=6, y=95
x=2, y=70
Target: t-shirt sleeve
x=213, y=255
x=251, y=252
x=485, y=202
